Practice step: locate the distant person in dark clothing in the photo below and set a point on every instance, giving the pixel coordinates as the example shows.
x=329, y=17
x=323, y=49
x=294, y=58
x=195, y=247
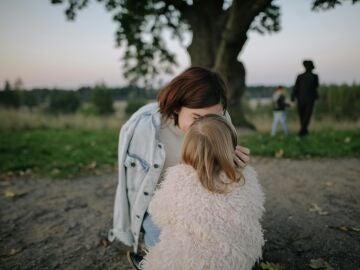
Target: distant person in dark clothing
x=305, y=92
x=280, y=105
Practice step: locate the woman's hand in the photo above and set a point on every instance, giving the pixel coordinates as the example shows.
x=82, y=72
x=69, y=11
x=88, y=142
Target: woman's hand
x=242, y=156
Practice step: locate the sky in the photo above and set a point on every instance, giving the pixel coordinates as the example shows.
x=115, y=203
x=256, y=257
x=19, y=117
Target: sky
x=39, y=45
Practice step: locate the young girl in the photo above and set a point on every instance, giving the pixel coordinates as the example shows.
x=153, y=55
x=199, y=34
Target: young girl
x=208, y=210
x=280, y=106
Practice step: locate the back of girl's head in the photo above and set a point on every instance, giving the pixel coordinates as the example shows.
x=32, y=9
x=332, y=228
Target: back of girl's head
x=195, y=88
x=209, y=147
x=279, y=88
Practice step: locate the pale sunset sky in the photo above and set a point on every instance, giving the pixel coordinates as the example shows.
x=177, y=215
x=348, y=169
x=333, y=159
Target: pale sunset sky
x=38, y=45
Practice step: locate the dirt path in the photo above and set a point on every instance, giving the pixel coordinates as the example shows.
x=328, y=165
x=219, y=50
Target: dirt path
x=312, y=212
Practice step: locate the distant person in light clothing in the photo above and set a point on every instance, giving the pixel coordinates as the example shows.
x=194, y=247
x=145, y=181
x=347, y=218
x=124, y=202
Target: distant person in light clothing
x=280, y=105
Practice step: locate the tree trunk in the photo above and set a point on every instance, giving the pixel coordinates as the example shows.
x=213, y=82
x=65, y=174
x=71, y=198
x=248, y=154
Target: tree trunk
x=235, y=75
x=236, y=84
x=218, y=37
x=231, y=69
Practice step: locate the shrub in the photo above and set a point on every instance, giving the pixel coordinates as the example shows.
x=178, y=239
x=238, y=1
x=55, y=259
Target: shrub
x=339, y=101
x=63, y=102
x=102, y=99
x=28, y=99
x=9, y=97
x=134, y=102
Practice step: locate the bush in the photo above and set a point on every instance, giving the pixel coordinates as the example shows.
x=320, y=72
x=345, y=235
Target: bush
x=134, y=103
x=63, y=102
x=9, y=97
x=102, y=99
x=88, y=109
x=28, y=99
x=339, y=101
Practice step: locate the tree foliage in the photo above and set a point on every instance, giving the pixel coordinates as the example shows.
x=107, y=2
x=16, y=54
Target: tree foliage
x=328, y=4
x=141, y=25
x=9, y=97
x=134, y=102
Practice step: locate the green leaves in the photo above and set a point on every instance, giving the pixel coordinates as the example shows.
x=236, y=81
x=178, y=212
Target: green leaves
x=141, y=26
x=328, y=4
x=102, y=100
x=141, y=29
x=268, y=20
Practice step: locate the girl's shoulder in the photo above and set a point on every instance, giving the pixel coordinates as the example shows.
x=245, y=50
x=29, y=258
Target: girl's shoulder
x=180, y=177
x=180, y=168
x=250, y=173
x=183, y=171
x=249, y=179
x=250, y=188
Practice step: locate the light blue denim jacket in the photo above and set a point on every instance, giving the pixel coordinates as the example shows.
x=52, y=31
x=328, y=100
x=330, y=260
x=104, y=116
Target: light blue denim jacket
x=141, y=158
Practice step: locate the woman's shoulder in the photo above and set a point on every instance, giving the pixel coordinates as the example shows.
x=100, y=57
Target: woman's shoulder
x=146, y=110
x=250, y=188
x=143, y=118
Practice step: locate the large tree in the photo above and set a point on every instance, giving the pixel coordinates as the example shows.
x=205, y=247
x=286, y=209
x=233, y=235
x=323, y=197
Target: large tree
x=219, y=31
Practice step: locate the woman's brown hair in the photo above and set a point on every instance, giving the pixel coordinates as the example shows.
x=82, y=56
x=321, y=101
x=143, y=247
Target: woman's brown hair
x=195, y=88
x=209, y=147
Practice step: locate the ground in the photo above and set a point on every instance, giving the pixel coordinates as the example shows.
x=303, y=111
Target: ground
x=312, y=212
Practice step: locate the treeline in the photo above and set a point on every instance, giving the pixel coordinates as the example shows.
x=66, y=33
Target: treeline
x=338, y=101
x=98, y=99
x=260, y=91
x=34, y=97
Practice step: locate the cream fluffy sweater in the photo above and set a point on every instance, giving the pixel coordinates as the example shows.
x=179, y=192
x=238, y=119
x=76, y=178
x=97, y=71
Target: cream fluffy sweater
x=203, y=230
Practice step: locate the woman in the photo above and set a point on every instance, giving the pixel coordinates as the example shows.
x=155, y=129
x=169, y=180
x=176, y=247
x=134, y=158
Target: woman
x=150, y=142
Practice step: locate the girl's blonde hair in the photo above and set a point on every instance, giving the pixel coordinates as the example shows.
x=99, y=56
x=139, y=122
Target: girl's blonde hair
x=209, y=147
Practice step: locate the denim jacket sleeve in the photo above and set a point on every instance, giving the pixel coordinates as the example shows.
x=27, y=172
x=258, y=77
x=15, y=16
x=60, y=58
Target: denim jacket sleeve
x=121, y=220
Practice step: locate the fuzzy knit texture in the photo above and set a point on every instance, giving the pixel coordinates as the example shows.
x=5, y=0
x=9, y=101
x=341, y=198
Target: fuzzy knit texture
x=204, y=230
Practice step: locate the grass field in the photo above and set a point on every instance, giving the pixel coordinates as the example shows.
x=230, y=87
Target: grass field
x=67, y=146
x=57, y=153
x=24, y=118
x=67, y=153
x=324, y=143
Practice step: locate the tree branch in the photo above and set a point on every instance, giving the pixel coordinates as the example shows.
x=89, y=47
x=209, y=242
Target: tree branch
x=180, y=5
x=241, y=15
x=327, y=4
x=247, y=11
